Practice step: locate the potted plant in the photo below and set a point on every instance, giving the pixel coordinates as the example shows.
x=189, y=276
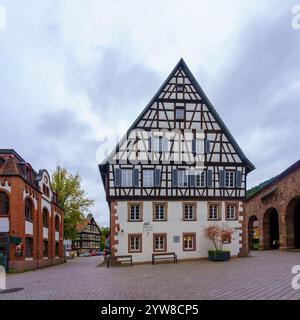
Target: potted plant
x=218, y=235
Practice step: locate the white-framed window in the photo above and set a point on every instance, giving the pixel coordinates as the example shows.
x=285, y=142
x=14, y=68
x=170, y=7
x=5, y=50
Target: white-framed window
x=159, y=212
x=199, y=146
x=179, y=114
x=160, y=242
x=189, y=242
x=213, y=212
x=126, y=178
x=189, y=212
x=229, y=179
x=135, y=243
x=200, y=179
x=157, y=144
x=183, y=178
x=231, y=212
x=135, y=213
x=148, y=178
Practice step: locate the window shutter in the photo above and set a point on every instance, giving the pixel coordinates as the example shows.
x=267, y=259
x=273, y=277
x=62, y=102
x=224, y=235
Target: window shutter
x=174, y=178
x=222, y=179
x=135, y=178
x=207, y=146
x=209, y=178
x=149, y=144
x=192, y=180
x=194, y=146
x=118, y=177
x=238, y=179
x=157, y=177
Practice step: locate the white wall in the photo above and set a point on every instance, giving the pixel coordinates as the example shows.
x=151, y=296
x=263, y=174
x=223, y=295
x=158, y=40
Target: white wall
x=28, y=227
x=173, y=227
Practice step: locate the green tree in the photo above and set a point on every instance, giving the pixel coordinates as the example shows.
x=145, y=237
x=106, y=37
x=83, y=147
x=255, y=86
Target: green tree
x=104, y=232
x=71, y=198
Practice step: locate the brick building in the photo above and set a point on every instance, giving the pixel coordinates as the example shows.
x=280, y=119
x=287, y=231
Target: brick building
x=275, y=210
x=31, y=222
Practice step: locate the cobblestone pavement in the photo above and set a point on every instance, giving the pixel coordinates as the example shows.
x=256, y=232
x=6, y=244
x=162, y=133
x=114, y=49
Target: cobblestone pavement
x=265, y=275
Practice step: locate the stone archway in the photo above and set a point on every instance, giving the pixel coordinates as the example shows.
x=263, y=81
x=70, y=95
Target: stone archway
x=253, y=232
x=271, y=229
x=293, y=223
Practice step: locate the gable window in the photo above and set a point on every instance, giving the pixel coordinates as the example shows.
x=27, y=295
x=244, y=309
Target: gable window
x=229, y=179
x=200, y=179
x=180, y=88
x=189, y=211
x=179, y=114
x=159, y=144
x=135, y=212
x=45, y=218
x=182, y=178
x=134, y=243
x=231, y=212
x=159, y=211
x=4, y=203
x=148, y=178
x=126, y=178
x=213, y=211
x=28, y=247
x=159, y=242
x=199, y=146
x=189, y=242
x=28, y=210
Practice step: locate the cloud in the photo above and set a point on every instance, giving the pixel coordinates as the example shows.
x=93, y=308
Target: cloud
x=257, y=92
x=74, y=73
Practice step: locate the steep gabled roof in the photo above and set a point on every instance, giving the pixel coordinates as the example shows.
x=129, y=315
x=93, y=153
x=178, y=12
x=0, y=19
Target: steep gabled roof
x=185, y=68
x=81, y=226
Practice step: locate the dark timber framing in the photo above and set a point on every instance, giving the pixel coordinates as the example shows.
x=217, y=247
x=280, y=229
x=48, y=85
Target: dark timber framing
x=199, y=116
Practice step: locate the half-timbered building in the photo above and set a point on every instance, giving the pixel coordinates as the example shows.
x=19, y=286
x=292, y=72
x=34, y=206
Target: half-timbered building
x=176, y=170
x=88, y=237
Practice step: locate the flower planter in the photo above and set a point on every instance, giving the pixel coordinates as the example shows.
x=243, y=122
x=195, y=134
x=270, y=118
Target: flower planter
x=214, y=255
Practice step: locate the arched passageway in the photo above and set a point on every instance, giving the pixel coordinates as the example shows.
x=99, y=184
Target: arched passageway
x=271, y=229
x=293, y=223
x=253, y=233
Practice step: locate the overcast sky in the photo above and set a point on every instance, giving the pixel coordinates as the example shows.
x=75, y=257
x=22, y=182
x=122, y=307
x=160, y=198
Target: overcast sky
x=75, y=72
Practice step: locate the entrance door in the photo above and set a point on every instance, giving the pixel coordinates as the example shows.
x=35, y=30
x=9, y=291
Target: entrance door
x=297, y=225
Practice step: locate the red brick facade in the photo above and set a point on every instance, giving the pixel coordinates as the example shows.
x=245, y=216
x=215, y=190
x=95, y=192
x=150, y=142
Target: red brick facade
x=276, y=210
x=19, y=187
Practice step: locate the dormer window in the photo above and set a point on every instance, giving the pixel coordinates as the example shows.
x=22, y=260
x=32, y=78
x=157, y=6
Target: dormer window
x=179, y=114
x=28, y=174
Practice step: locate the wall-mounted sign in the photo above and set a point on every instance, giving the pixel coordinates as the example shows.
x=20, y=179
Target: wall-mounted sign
x=147, y=226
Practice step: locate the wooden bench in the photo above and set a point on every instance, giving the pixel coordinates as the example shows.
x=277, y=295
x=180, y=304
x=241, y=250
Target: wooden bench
x=164, y=256
x=121, y=259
